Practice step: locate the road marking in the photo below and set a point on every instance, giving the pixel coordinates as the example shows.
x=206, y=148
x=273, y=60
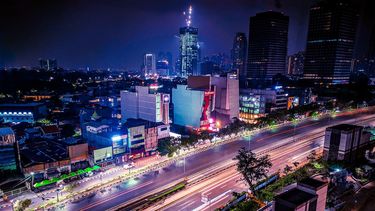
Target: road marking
x=217, y=198
x=286, y=131
x=189, y=201
x=210, y=188
x=115, y=196
x=223, y=186
x=187, y=205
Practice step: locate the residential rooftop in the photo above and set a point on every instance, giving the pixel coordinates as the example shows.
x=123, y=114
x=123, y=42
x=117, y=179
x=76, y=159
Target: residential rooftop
x=312, y=183
x=6, y=131
x=295, y=197
x=40, y=150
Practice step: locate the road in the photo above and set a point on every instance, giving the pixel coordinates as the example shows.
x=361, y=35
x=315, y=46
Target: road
x=220, y=187
x=262, y=141
x=203, y=160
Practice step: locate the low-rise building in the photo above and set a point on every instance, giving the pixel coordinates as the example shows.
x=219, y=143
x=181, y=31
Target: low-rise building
x=47, y=158
x=194, y=104
x=308, y=195
x=345, y=142
x=22, y=112
x=252, y=106
x=9, y=155
x=50, y=131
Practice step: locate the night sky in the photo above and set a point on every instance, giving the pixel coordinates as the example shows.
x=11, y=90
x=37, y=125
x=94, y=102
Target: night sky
x=116, y=33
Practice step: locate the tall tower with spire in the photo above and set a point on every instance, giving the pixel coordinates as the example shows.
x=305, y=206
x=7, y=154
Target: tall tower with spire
x=189, y=48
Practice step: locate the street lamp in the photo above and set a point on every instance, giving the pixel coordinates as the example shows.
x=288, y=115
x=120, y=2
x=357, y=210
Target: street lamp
x=57, y=192
x=32, y=179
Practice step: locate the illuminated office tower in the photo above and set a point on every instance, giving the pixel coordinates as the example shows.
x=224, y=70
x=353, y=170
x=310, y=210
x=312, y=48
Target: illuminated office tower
x=268, y=41
x=330, y=42
x=189, y=48
x=149, y=63
x=238, y=54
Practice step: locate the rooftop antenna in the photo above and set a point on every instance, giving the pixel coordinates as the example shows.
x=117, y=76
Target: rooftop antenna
x=188, y=16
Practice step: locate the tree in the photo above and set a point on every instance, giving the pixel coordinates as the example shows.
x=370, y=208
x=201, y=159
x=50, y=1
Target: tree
x=248, y=205
x=251, y=167
x=312, y=156
x=295, y=164
x=287, y=169
x=166, y=147
x=26, y=203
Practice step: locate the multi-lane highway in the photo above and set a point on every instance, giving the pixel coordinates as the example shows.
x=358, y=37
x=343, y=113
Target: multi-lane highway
x=285, y=145
x=274, y=139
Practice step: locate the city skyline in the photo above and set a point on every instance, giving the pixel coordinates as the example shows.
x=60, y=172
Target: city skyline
x=187, y=105
x=116, y=35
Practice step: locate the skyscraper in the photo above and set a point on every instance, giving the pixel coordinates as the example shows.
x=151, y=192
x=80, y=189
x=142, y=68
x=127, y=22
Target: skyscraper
x=149, y=63
x=268, y=41
x=238, y=54
x=295, y=63
x=330, y=41
x=189, y=48
x=48, y=64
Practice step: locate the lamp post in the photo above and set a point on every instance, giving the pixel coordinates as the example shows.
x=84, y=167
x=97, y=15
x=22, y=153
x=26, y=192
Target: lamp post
x=184, y=164
x=57, y=192
x=32, y=180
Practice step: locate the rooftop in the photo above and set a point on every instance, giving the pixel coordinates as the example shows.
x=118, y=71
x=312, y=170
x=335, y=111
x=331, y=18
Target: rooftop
x=344, y=127
x=131, y=122
x=295, y=197
x=312, y=183
x=50, y=129
x=43, y=151
x=21, y=104
x=6, y=131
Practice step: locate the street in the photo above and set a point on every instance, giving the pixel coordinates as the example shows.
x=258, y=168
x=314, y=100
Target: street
x=212, y=157
x=286, y=143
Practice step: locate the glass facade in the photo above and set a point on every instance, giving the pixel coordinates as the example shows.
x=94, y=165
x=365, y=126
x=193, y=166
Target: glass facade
x=268, y=41
x=189, y=50
x=251, y=107
x=330, y=41
x=8, y=157
x=238, y=54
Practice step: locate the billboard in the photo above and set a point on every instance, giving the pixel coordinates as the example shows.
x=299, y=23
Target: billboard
x=102, y=154
x=78, y=150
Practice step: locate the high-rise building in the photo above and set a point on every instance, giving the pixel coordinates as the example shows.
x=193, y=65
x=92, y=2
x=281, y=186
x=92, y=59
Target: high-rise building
x=48, y=64
x=344, y=142
x=238, y=54
x=189, y=48
x=295, y=63
x=149, y=63
x=164, y=64
x=162, y=67
x=268, y=41
x=363, y=65
x=330, y=41
x=226, y=98
x=209, y=68
x=145, y=103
